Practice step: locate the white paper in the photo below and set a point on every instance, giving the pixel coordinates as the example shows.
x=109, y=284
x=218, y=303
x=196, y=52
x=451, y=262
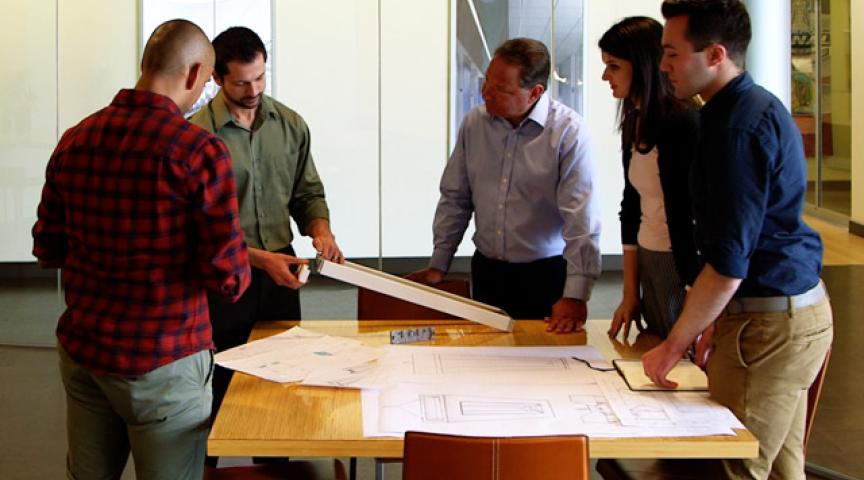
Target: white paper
x=509, y=365
x=513, y=391
x=297, y=354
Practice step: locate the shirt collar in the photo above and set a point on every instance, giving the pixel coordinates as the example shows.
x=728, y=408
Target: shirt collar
x=540, y=112
x=145, y=98
x=735, y=87
x=221, y=114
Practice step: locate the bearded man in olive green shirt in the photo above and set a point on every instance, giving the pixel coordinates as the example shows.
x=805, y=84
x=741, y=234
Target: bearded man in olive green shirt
x=276, y=180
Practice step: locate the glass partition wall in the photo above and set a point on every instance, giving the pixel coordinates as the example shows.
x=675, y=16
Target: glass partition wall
x=821, y=98
x=482, y=25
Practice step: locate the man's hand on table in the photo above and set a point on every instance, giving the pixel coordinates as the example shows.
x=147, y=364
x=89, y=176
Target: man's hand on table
x=568, y=315
x=427, y=276
x=658, y=361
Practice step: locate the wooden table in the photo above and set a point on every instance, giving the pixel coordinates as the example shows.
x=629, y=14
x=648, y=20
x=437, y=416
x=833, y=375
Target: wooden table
x=263, y=418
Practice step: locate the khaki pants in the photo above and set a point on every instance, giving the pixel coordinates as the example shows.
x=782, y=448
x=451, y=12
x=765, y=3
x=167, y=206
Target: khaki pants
x=761, y=367
x=162, y=417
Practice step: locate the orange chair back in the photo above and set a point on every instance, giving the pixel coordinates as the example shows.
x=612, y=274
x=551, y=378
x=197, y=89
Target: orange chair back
x=431, y=456
x=372, y=305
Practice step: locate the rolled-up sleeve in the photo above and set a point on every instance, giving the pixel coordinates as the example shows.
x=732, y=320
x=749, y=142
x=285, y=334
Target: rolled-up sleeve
x=738, y=198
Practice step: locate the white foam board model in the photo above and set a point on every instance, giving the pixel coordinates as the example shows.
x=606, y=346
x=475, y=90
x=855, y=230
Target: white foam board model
x=414, y=292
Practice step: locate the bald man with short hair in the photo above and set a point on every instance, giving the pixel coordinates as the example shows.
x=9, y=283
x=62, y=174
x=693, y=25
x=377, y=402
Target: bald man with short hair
x=139, y=209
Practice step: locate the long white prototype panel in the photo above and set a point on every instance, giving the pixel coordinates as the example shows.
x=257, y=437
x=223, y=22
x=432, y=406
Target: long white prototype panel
x=416, y=293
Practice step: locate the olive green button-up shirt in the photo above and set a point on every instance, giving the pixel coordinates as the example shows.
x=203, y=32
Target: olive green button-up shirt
x=275, y=175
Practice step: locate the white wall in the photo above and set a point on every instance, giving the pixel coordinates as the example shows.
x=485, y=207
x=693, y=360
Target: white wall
x=28, y=119
x=857, y=55
x=97, y=55
x=601, y=108
x=414, y=100
x=328, y=72
x=89, y=57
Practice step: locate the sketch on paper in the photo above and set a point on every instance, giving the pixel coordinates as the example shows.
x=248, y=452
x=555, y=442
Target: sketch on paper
x=486, y=392
x=463, y=408
x=508, y=365
x=593, y=409
x=431, y=364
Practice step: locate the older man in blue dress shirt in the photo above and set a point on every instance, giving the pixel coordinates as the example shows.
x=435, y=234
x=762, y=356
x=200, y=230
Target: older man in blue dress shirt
x=523, y=166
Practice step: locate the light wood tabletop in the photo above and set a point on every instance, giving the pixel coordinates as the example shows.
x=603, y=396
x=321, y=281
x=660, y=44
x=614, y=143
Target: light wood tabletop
x=263, y=418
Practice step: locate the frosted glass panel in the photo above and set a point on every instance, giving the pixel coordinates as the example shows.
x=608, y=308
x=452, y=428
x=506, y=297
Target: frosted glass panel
x=413, y=122
x=327, y=70
x=28, y=119
x=87, y=81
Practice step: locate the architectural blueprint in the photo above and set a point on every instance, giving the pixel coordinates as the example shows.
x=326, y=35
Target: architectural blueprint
x=526, y=391
x=507, y=365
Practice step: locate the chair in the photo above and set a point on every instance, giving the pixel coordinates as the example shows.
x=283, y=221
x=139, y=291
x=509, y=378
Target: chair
x=631, y=469
x=294, y=470
x=372, y=305
x=431, y=456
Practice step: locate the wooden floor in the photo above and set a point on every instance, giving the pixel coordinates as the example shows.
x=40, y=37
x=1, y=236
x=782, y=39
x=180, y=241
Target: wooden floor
x=837, y=440
x=841, y=247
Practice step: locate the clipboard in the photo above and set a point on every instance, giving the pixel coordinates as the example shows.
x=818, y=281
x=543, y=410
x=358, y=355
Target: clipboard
x=688, y=375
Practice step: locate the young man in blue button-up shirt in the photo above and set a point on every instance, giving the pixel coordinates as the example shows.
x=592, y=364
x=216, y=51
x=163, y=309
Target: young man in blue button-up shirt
x=760, y=278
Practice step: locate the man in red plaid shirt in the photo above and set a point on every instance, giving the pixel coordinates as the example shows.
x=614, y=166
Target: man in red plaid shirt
x=139, y=210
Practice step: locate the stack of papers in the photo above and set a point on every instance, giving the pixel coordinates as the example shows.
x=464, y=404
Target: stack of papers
x=299, y=355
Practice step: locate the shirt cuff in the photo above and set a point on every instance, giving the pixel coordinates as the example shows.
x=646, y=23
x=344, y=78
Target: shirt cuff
x=578, y=287
x=441, y=260
x=312, y=212
x=729, y=265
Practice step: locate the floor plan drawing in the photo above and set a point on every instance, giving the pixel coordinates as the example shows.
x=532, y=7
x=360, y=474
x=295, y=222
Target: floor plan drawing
x=593, y=409
x=525, y=391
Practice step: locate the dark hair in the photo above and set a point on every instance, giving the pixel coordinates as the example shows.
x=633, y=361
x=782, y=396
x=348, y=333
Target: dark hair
x=714, y=21
x=236, y=44
x=651, y=97
x=529, y=54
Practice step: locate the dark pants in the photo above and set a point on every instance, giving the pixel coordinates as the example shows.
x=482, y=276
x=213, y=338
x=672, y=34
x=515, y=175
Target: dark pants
x=523, y=290
x=233, y=322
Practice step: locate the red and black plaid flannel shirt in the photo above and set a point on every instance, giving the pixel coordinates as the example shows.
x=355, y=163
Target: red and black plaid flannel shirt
x=139, y=209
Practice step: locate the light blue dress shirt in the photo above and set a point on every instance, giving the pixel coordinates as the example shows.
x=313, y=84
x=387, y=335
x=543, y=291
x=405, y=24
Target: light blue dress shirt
x=530, y=189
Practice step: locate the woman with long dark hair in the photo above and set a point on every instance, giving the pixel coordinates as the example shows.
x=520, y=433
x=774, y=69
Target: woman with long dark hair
x=658, y=138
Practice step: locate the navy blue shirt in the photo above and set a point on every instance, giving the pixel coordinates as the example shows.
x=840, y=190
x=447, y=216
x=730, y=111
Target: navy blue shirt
x=748, y=182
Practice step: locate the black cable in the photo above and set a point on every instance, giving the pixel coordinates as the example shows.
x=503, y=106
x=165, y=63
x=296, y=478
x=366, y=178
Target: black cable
x=592, y=367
